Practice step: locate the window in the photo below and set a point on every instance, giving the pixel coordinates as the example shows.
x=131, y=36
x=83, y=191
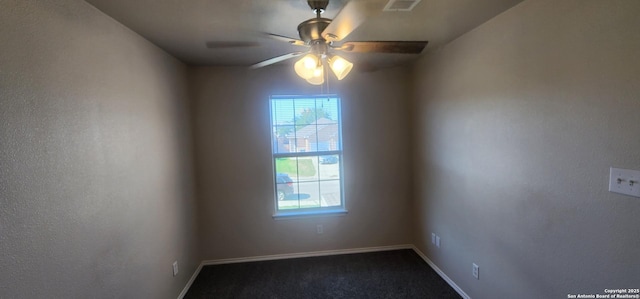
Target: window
x=307, y=154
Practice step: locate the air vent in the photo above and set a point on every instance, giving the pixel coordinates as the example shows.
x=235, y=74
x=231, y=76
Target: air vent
x=401, y=5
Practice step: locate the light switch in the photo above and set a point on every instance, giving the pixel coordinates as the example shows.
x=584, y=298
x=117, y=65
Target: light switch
x=624, y=181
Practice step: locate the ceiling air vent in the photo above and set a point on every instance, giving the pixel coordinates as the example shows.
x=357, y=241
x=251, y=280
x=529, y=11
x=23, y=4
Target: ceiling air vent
x=401, y=5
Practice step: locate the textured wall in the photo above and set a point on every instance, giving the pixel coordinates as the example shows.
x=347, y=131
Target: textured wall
x=235, y=169
x=518, y=123
x=96, y=187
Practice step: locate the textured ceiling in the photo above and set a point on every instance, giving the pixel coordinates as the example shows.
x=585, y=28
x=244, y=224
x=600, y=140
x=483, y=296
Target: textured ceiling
x=183, y=27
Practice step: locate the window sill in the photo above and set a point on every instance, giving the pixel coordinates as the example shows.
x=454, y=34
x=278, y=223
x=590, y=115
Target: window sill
x=294, y=215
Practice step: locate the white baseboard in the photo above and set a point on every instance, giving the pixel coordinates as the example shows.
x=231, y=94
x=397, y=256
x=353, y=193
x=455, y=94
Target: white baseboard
x=322, y=253
x=190, y=282
x=305, y=254
x=444, y=276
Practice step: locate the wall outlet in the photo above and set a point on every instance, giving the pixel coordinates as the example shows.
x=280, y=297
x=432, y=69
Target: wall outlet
x=319, y=229
x=433, y=238
x=175, y=268
x=476, y=271
x=438, y=241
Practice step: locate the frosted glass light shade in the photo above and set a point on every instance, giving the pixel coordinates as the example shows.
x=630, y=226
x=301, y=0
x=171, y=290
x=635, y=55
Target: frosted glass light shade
x=340, y=66
x=318, y=76
x=306, y=66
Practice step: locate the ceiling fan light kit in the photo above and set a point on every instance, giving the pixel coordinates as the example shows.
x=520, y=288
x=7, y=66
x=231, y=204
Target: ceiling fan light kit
x=318, y=76
x=319, y=34
x=340, y=66
x=310, y=68
x=306, y=66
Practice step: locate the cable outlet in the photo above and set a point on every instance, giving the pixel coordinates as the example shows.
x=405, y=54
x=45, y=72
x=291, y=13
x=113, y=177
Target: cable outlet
x=476, y=271
x=319, y=229
x=175, y=268
x=433, y=238
x=438, y=241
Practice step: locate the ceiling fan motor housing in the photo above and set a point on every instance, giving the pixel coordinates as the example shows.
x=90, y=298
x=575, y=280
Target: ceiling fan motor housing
x=311, y=30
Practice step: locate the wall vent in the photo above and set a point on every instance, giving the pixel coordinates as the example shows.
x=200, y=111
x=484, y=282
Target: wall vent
x=401, y=5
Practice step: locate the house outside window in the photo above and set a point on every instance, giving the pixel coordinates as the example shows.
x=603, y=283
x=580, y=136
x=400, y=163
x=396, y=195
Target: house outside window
x=307, y=154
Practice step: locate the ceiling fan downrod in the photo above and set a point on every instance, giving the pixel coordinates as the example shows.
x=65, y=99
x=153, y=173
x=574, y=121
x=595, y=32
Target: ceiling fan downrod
x=318, y=6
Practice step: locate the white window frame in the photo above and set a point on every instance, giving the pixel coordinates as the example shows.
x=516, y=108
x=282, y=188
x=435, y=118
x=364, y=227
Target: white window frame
x=316, y=211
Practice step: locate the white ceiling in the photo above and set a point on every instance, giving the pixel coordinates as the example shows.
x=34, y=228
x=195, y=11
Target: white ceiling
x=182, y=27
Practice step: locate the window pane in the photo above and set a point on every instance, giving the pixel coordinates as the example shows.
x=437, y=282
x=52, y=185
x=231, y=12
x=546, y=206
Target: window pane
x=285, y=191
x=328, y=108
x=308, y=168
x=282, y=112
x=329, y=167
x=287, y=169
x=283, y=137
x=328, y=137
x=306, y=139
x=309, y=193
x=298, y=168
x=290, y=201
x=305, y=112
x=330, y=193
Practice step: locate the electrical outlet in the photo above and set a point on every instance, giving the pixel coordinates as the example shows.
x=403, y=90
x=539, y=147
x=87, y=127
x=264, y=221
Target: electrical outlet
x=476, y=271
x=438, y=241
x=175, y=268
x=319, y=229
x=433, y=238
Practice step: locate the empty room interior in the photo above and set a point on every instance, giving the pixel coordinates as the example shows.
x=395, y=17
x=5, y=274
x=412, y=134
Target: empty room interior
x=142, y=142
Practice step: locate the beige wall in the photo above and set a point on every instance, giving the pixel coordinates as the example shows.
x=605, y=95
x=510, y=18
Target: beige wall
x=96, y=185
x=235, y=170
x=518, y=122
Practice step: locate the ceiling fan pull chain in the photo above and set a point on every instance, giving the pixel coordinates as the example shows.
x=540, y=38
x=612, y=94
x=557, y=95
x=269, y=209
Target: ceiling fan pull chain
x=327, y=76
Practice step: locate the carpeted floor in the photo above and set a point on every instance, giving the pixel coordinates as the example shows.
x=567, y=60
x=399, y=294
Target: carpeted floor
x=386, y=274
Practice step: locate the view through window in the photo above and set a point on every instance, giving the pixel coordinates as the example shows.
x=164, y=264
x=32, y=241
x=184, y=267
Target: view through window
x=307, y=153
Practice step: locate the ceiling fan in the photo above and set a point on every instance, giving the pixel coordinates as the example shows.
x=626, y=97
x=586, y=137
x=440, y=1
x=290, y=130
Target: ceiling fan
x=319, y=34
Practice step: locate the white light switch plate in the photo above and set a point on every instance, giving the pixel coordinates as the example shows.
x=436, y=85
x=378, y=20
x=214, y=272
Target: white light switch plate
x=624, y=181
x=476, y=271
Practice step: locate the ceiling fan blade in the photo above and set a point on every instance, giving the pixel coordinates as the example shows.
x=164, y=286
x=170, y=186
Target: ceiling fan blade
x=403, y=47
x=349, y=18
x=287, y=39
x=231, y=44
x=276, y=59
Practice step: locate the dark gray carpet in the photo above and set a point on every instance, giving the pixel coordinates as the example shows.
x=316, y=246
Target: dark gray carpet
x=386, y=274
